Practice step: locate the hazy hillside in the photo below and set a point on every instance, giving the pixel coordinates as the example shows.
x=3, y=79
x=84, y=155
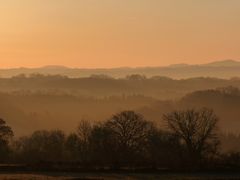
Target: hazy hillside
x=26, y=111
x=102, y=86
x=224, y=101
x=220, y=69
x=59, y=102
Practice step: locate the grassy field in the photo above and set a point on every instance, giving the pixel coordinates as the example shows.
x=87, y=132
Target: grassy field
x=109, y=176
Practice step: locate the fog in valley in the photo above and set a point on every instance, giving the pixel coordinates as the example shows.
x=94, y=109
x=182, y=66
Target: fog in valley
x=35, y=102
x=102, y=120
x=119, y=89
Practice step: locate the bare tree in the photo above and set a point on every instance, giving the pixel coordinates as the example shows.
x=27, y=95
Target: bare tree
x=196, y=129
x=84, y=130
x=129, y=128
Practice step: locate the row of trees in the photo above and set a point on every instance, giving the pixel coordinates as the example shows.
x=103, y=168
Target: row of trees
x=125, y=140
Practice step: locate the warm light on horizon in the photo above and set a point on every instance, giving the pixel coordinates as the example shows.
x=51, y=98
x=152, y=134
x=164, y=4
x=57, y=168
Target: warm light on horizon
x=137, y=33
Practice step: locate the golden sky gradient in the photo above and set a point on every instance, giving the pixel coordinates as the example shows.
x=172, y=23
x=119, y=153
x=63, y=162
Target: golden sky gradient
x=113, y=33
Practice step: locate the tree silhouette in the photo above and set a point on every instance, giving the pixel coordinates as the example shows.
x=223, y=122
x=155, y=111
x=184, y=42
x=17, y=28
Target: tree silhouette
x=130, y=128
x=42, y=146
x=196, y=129
x=130, y=133
x=84, y=130
x=5, y=131
x=73, y=145
x=6, y=134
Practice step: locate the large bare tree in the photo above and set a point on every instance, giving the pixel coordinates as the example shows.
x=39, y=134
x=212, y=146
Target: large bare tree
x=129, y=128
x=196, y=129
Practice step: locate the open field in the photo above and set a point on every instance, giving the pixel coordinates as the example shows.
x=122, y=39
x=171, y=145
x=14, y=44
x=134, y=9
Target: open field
x=110, y=176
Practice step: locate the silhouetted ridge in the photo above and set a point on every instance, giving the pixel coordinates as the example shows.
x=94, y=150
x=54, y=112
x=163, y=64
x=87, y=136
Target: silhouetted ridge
x=219, y=69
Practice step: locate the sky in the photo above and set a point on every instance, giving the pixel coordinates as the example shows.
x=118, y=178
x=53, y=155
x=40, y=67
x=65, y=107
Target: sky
x=117, y=33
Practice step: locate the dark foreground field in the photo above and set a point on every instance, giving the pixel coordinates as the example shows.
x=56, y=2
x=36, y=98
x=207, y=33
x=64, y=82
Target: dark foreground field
x=62, y=175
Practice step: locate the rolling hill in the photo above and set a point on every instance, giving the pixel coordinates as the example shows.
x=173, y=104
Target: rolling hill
x=219, y=69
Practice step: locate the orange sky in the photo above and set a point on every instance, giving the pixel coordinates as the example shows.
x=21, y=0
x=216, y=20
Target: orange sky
x=113, y=33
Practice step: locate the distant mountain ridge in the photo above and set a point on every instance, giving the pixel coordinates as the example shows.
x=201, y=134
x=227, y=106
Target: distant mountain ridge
x=218, y=69
x=225, y=63
x=54, y=67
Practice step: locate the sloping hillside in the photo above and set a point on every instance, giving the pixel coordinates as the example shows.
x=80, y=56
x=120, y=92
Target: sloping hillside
x=224, y=101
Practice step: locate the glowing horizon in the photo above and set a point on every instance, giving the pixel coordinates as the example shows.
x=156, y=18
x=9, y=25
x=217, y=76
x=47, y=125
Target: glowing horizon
x=114, y=33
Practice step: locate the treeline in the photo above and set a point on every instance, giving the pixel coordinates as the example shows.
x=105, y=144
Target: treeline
x=216, y=69
x=125, y=140
x=102, y=85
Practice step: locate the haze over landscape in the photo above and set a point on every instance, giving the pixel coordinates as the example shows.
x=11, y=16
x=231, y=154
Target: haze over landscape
x=118, y=89
x=219, y=69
